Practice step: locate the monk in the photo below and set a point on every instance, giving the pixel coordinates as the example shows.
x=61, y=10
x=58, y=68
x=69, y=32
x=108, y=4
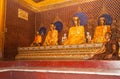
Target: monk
x=109, y=49
x=37, y=40
x=100, y=31
x=76, y=33
x=52, y=36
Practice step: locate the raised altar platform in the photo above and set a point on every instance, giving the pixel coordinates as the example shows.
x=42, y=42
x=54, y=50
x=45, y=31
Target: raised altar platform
x=60, y=52
x=83, y=51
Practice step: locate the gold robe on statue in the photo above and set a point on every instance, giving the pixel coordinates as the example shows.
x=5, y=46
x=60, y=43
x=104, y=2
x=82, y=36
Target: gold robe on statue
x=76, y=36
x=51, y=38
x=99, y=35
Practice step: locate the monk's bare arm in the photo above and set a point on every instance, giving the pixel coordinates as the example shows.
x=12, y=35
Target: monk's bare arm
x=114, y=48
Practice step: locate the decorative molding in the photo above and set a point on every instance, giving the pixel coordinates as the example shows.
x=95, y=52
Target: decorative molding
x=54, y=6
x=64, y=4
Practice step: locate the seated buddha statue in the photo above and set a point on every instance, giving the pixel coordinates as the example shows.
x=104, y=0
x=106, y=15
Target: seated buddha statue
x=37, y=40
x=52, y=36
x=76, y=34
x=100, y=31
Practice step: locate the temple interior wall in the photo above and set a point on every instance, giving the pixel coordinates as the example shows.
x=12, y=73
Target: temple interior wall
x=21, y=32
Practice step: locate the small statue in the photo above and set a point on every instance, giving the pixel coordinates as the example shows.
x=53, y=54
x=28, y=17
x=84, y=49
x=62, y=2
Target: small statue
x=37, y=40
x=64, y=37
x=88, y=37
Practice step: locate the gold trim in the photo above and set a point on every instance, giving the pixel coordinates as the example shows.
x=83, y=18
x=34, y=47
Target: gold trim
x=65, y=4
x=53, y=6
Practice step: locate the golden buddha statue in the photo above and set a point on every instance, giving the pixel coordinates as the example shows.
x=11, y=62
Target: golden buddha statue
x=76, y=33
x=37, y=40
x=100, y=31
x=52, y=36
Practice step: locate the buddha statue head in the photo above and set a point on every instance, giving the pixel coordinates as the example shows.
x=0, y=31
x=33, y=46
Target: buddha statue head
x=102, y=21
x=52, y=26
x=37, y=33
x=76, y=21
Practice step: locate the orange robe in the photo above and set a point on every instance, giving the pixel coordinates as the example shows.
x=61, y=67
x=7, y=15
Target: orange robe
x=51, y=38
x=76, y=36
x=99, y=35
x=38, y=39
